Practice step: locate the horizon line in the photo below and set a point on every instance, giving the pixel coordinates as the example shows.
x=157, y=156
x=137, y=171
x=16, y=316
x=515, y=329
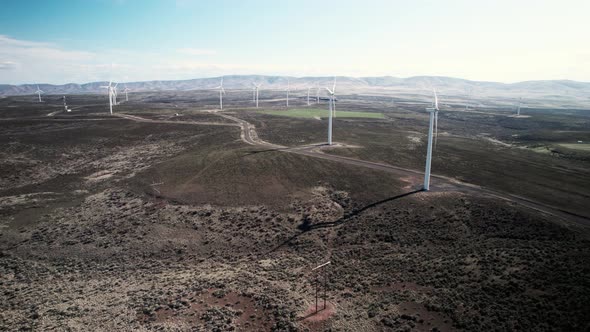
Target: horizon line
x=304, y=77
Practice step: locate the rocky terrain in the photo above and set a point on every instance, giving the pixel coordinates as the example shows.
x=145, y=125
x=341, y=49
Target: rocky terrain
x=120, y=224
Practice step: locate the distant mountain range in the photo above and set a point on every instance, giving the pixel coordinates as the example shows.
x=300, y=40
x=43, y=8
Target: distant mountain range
x=572, y=91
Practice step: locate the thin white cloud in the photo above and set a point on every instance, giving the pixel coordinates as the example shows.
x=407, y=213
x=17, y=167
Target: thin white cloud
x=7, y=65
x=43, y=62
x=196, y=51
x=182, y=69
x=7, y=41
x=23, y=48
x=23, y=61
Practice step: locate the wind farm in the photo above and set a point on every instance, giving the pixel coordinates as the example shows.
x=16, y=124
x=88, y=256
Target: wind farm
x=217, y=195
x=280, y=167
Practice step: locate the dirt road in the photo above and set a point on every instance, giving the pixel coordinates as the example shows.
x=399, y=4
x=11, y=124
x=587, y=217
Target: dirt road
x=440, y=183
x=202, y=123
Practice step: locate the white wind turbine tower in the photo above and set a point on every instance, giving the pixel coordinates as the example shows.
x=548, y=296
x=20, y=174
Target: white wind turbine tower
x=334, y=100
x=66, y=106
x=221, y=93
x=331, y=102
x=288, y=89
x=317, y=97
x=115, y=94
x=433, y=111
x=518, y=107
x=256, y=88
x=308, y=90
x=435, y=118
x=110, y=92
x=126, y=90
x=39, y=92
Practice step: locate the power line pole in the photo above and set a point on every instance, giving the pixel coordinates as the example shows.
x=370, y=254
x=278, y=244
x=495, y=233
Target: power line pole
x=323, y=268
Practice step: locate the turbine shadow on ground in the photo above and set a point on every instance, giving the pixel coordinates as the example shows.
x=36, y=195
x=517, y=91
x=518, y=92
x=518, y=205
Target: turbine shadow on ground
x=293, y=148
x=263, y=151
x=306, y=225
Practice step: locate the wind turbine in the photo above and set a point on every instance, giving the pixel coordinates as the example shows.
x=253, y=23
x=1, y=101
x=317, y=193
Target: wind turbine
x=317, y=98
x=115, y=94
x=126, y=90
x=331, y=93
x=518, y=107
x=334, y=100
x=110, y=92
x=433, y=112
x=256, y=88
x=308, y=90
x=66, y=106
x=221, y=93
x=435, y=118
x=39, y=92
x=288, y=89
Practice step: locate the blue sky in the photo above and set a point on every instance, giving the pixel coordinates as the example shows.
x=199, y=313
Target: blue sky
x=79, y=41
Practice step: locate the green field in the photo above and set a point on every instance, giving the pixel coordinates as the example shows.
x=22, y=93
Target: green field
x=322, y=113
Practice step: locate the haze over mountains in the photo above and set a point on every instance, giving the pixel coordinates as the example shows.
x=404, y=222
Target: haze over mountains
x=556, y=93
